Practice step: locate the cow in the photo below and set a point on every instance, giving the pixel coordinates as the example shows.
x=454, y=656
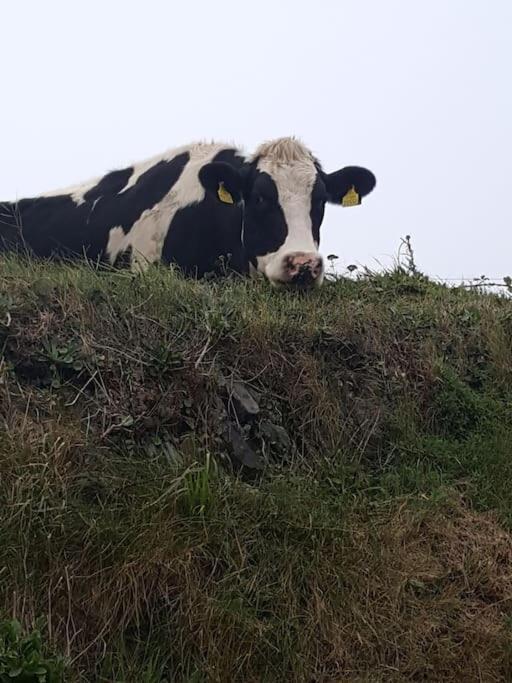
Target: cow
x=194, y=207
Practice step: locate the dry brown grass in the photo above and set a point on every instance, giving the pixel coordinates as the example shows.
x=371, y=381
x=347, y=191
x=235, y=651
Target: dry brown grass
x=432, y=600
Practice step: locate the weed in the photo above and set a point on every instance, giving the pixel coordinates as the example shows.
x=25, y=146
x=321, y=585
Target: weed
x=22, y=657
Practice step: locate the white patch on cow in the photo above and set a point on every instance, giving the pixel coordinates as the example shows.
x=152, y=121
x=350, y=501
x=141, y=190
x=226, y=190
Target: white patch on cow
x=291, y=166
x=147, y=235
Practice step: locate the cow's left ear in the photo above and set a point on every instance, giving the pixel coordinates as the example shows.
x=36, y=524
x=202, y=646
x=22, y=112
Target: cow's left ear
x=223, y=181
x=348, y=185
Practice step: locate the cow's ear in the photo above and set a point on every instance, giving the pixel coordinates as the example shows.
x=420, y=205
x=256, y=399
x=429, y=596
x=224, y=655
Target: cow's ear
x=223, y=181
x=349, y=185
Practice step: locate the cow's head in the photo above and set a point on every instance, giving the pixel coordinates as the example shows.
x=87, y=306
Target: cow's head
x=284, y=191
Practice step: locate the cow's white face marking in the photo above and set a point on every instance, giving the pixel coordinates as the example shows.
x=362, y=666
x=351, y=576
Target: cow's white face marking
x=291, y=167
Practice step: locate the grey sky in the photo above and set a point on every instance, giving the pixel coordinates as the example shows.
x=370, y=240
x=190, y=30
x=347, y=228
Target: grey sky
x=418, y=91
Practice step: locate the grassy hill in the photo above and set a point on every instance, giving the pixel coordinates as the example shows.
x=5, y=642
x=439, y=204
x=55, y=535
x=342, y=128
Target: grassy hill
x=221, y=482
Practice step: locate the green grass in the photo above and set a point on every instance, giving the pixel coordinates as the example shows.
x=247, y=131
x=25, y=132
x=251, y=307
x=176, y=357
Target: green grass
x=376, y=547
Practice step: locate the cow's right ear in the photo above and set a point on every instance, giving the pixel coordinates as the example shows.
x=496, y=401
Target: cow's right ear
x=223, y=181
x=348, y=185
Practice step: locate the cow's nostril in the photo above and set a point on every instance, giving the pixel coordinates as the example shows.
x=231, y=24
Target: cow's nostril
x=304, y=276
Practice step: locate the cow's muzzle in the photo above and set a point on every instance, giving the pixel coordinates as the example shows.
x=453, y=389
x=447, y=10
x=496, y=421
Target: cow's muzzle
x=303, y=269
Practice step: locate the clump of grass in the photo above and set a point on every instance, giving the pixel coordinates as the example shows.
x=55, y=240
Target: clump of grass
x=23, y=659
x=197, y=495
x=377, y=547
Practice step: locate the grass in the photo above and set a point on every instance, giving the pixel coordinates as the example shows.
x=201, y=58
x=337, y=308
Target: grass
x=375, y=543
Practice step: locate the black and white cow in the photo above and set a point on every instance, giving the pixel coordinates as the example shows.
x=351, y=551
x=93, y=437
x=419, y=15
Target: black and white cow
x=191, y=206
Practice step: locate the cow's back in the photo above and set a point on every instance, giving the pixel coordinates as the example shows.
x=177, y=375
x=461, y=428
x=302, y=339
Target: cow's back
x=156, y=209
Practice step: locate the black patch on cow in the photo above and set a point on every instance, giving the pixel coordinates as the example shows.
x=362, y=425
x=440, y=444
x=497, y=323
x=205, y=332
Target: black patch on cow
x=10, y=232
x=265, y=228
x=203, y=235
x=231, y=157
x=110, y=184
x=318, y=200
x=56, y=226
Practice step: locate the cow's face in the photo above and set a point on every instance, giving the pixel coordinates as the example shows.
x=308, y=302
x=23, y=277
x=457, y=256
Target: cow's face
x=285, y=198
x=283, y=191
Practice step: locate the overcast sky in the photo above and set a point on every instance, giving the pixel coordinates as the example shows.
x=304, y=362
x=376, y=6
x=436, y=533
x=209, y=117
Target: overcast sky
x=418, y=91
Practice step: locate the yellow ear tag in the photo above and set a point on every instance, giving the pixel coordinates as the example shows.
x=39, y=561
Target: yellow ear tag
x=351, y=198
x=224, y=195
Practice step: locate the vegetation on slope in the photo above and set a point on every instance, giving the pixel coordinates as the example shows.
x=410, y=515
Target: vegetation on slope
x=348, y=520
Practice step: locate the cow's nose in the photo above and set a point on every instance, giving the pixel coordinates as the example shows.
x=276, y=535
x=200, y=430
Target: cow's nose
x=302, y=268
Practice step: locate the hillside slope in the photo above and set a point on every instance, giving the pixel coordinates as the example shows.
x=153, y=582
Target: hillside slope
x=221, y=482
